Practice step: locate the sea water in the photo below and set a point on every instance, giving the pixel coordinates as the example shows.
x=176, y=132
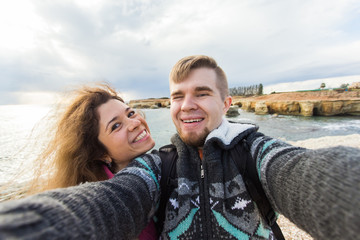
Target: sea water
x=17, y=130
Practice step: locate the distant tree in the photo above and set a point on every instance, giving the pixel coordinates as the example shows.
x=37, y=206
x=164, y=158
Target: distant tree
x=246, y=91
x=322, y=86
x=344, y=85
x=260, y=90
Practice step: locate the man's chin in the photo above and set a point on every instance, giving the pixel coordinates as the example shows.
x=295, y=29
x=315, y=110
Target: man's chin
x=194, y=139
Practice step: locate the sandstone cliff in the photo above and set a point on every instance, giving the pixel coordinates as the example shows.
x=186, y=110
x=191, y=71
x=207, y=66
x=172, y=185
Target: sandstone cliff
x=317, y=103
x=150, y=103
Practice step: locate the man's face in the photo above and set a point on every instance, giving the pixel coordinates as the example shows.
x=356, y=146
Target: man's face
x=196, y=106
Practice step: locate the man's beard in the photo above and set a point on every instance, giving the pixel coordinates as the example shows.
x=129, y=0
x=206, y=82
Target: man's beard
x=195, y=139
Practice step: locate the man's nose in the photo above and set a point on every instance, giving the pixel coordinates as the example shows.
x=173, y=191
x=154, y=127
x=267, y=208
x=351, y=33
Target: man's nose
x=133, y=124
x=188, y=103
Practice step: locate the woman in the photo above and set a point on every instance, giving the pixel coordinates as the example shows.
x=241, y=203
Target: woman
x=96, y=136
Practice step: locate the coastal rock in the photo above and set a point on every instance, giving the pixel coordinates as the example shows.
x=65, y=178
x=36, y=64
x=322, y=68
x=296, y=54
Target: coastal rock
x=261, y=108
x=245, y=105
x=135, y=105
x=307, y=108
x=150, y=103
x=331, y=108
x=320, y=103
x=284, y=108
x=233, y=111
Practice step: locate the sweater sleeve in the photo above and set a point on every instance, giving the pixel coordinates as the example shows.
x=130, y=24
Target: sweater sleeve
x=318, y=190
x=118, y=208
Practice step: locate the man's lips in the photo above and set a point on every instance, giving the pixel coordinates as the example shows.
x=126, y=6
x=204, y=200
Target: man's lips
x=192, y=120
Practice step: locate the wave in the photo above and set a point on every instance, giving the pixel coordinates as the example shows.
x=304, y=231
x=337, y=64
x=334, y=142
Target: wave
x=353, y=125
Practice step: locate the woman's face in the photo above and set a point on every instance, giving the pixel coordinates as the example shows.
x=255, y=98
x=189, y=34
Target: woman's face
x=124, y=133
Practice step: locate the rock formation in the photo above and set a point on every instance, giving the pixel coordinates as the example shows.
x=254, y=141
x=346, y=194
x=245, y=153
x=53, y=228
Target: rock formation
x=261, y=108
x=233, y=111
x=305, y=103
x=302, y=107
x=150, y=103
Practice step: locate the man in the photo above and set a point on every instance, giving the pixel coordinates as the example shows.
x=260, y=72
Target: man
x=211, y=201
x=316, y=189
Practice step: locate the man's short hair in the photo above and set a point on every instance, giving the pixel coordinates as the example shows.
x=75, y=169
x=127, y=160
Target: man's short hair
x=184, y=66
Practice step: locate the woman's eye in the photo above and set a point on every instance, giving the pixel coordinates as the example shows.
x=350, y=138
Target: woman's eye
x=115, y=126
x=131, y=113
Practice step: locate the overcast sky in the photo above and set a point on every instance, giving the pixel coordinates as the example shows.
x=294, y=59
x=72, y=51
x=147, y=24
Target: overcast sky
x=47, y=46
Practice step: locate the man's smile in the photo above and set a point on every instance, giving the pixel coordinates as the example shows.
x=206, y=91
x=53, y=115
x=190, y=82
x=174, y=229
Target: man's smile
x=192, y=120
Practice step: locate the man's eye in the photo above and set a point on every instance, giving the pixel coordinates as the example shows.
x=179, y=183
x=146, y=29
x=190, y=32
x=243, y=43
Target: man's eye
x=115, y=126
x=176, y=97
x=203, y=94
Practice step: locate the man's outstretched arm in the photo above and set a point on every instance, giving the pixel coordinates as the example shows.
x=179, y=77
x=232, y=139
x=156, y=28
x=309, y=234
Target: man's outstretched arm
x=318, y=190
x=115, y=209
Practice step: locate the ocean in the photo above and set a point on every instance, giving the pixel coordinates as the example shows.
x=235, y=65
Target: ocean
x=17, y=130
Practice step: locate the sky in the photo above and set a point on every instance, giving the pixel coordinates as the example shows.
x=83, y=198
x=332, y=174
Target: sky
x=50, y=46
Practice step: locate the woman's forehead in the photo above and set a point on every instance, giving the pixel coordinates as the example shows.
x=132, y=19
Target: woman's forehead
x=111, y=109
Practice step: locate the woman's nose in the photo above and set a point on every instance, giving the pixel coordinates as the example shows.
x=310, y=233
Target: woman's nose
x=133, y=124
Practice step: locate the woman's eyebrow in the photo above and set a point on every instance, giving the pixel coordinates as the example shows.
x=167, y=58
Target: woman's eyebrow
x=113, y=119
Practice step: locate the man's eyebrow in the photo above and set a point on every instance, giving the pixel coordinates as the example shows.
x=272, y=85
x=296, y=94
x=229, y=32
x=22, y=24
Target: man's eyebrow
x=178, y=92
x=203, y=88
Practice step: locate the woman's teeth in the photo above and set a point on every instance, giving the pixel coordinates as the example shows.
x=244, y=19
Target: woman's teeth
x=141, y=136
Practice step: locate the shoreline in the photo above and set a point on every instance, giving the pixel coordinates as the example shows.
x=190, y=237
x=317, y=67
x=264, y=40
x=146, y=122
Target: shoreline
x=352, y=140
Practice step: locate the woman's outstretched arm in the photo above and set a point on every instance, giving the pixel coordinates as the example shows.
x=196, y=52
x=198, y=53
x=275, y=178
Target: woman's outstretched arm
x=115, y=209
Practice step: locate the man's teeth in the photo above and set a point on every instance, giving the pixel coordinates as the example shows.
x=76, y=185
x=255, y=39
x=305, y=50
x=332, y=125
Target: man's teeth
x=141, y=136
x=192, y=120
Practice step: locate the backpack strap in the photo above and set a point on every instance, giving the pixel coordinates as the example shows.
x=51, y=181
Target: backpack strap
x=247, y=169
x=168, y=181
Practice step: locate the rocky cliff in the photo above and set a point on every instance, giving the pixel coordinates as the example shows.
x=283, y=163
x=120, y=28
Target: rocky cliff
x=317, y=103
x=150, y=103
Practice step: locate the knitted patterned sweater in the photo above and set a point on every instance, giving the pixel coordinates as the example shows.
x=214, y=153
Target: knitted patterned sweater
x=319, y=190
x=314, y=189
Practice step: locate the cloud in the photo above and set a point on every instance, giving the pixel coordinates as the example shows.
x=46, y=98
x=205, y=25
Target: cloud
x=49, y=45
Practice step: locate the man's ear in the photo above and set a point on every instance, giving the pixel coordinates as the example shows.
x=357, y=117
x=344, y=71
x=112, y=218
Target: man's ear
x=227, y=104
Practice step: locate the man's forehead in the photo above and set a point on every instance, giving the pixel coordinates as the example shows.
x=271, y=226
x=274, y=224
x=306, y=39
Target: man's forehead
x=192, y=85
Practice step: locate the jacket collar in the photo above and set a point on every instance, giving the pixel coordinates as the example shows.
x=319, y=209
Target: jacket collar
x=227, y=132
